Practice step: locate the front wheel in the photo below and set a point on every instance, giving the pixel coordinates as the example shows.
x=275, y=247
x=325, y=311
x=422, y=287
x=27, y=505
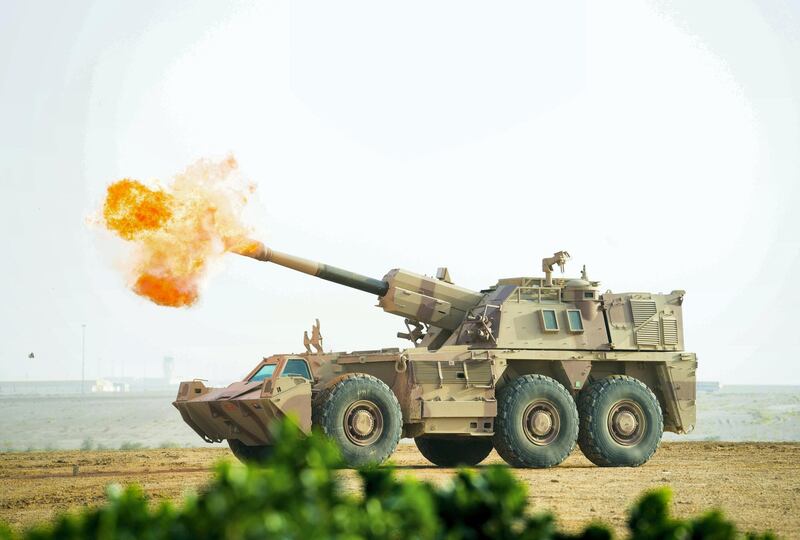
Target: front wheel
x=362, y=416
x=454, y=451
x=621, y=422
x=536, y=424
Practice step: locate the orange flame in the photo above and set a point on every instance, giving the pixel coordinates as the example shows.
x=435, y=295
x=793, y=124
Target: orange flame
x=132, y=208
x=178, y=230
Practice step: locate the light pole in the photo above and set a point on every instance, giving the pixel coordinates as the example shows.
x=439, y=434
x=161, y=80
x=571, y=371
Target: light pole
x=83, y=355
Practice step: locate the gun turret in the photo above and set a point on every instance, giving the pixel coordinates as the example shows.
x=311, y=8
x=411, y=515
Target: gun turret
x=409, y=295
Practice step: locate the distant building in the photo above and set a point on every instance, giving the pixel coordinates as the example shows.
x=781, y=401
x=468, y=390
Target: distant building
x=167, y=382
x=105, y=385
x=102, y=385
x=109, y=384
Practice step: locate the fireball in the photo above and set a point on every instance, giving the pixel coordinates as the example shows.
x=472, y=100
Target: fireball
x=179, y=229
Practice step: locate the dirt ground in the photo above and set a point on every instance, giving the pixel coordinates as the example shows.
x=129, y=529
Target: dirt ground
x=756, y=484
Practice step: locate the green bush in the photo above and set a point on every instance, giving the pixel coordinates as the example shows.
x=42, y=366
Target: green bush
x=87, y=444
x=127, y=445
x=168, y=444
x=298, y=495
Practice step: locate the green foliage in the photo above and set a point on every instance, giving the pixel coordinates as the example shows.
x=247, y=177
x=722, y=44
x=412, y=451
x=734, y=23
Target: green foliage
x=298, y=494
x=169, y=444
x=127, y=445
x=649, y=520
x=87, y=444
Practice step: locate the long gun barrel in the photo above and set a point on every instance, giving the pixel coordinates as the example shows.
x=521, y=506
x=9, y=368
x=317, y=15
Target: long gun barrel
x=257, y=250
x=400, y=292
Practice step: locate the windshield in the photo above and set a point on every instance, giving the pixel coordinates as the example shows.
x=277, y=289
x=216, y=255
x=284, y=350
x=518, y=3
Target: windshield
x=265, y=372
x=297, y=368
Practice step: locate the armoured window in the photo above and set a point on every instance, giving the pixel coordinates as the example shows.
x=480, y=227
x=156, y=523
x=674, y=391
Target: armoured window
x=588, y=294
x=296, y=368
x=265, y=372
x=544, y=295
x=549, y=295
x=575, y=320
x=549, y=320
x=530, y=294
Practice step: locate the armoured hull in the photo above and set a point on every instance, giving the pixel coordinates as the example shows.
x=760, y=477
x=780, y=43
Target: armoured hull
x=245, y=410
x=451, y=391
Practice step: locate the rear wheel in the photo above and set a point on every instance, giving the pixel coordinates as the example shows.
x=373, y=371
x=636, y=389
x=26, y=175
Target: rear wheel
x=454, y=451
x=362, y=415
x=536, y=424
x=621, y=422
x=250, y=454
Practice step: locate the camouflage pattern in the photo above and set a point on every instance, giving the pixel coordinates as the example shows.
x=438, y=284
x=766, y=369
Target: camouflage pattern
x=244, y=410
x=467, y=344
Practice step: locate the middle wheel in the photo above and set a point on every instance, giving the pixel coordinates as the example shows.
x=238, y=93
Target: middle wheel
x=454, y=451
x=536, y=424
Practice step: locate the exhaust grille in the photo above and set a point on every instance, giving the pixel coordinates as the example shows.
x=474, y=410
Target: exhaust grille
x=480, y=373
x=472, y=372
x=647, y=334
x=670, y=329
x=452, y=374
x=426, y=372
x=642, y=310
x=646, y=325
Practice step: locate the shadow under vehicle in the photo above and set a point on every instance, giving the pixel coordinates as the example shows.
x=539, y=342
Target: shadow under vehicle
x=530, y=367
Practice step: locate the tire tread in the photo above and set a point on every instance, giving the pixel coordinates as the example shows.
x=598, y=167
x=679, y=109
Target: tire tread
x=324, y=402
x=587, y=439
x=504, y=444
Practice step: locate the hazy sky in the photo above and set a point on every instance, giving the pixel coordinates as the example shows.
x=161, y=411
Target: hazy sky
x=658, y=142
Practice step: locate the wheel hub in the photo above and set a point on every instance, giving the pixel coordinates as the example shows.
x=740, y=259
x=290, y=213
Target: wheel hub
x=363, y=423
x=541, y=422
x=626, y=422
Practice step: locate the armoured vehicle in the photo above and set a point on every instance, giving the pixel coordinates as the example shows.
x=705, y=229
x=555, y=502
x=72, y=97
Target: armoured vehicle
x=530, y=367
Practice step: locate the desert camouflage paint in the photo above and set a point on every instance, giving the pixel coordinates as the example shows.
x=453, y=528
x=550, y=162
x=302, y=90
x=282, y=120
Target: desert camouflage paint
x=466, y=345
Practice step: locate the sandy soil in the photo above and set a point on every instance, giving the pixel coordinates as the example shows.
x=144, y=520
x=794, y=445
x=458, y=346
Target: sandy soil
x=756, y=484
x=148, y=419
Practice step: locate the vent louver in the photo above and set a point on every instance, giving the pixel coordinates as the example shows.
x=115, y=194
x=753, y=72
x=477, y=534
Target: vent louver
x=642, y=310
x=426, y=372
x=647, y=334
x=669, y=327
x=480, y=373
x=646, y=325
x=474, y=372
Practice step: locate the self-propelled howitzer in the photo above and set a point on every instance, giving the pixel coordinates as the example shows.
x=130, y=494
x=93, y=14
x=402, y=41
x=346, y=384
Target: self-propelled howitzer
x=530, y=367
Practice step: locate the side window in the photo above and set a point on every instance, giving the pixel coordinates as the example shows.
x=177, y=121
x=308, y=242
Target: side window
x=296, y=368
x=549, y=320
x=575, y=320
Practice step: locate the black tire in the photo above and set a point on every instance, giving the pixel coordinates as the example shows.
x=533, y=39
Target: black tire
x=536, y=424
x=454, y=451
x=621, y=422
x=362, y=415
x=250, y=454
